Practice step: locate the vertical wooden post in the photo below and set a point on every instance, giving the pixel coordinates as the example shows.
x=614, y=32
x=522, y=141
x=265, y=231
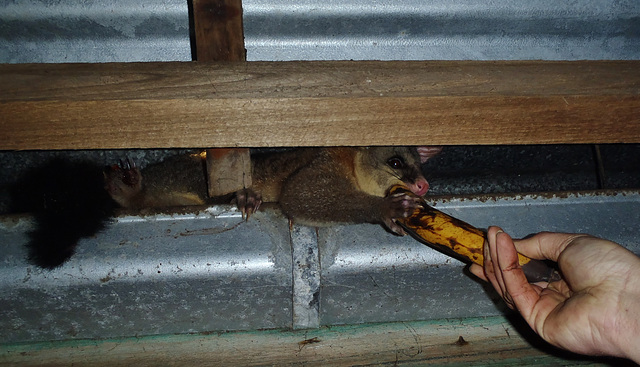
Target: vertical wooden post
x=218, y=30
x=219, y=36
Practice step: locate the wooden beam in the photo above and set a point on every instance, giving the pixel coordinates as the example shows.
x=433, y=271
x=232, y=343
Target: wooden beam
x=219, y=36
x=261, y=104
x=485, y=341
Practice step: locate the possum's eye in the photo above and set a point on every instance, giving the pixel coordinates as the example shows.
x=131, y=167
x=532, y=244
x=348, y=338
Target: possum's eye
x=395, y=163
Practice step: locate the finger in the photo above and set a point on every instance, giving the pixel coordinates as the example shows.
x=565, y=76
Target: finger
x=493, y=230
x=493, y=251
x=523, y=295
x=506, y=239
x=478, y=271
x=546, y=245
x=491, y=269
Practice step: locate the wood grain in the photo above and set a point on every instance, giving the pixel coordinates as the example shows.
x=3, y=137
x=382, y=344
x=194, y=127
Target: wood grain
x=485, y=341
x=219, y=34
x=261, y=104
x=219, y=37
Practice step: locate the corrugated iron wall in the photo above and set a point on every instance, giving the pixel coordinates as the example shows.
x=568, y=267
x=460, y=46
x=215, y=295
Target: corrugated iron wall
x=158, y=30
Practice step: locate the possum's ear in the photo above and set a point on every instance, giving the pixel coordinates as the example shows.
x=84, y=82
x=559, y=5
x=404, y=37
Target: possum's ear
x=426, y=152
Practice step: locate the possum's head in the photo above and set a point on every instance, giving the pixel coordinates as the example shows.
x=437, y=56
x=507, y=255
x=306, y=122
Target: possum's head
x=379, y=168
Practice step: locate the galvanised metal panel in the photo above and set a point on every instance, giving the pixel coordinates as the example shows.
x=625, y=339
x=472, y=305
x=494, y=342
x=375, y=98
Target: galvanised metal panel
x=368, y=276
x=442, y=29
x=157, y=30
x=58, y=31
x=147, y=275
x=210, y=271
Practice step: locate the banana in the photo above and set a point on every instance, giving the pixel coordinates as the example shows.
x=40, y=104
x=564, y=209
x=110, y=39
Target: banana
x=459, y=239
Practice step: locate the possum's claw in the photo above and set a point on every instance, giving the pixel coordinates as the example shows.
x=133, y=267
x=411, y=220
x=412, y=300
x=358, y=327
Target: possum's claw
x=128, y=164
x=123, y=181
x=248, y=202
x=130, y=173
x=399, y=205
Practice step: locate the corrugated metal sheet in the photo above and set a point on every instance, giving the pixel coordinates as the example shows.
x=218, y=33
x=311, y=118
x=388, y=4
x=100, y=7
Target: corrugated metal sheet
x=158, y=30
x=93, y=31
x=442, y=29
x=165, y=274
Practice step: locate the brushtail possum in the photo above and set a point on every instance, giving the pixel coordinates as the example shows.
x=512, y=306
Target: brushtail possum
x=313, y=186
x=318, y=186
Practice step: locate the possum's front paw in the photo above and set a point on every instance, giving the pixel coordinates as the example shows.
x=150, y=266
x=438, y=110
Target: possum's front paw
x=399, y=205
x=123, y=182
x=248, y=202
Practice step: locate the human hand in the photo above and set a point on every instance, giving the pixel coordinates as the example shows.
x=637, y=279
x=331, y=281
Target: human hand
x=594, y=309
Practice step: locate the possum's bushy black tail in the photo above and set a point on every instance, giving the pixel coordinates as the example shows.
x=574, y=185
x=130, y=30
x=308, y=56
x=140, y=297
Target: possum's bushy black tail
x=68, y=201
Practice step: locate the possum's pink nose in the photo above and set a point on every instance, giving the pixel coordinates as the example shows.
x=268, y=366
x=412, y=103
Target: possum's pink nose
x=420, y=187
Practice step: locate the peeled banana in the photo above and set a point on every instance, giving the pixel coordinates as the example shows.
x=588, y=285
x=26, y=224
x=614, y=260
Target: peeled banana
x=459, y=239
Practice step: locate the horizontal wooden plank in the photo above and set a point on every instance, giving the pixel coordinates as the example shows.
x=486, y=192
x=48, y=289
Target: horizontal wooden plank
x=258, y=104
x=485, y=341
